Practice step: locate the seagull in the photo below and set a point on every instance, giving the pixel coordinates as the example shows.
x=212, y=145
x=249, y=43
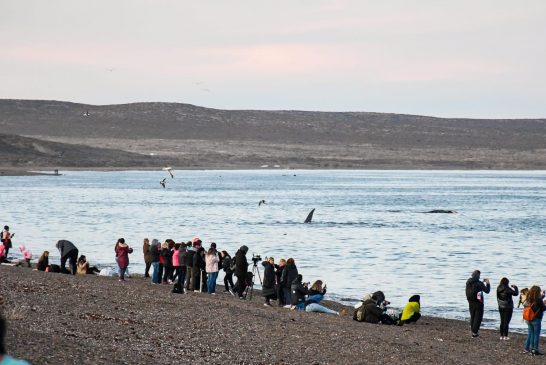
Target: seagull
x=261, y=202
x=86, y=114
x=162, y=182
x=168, y=168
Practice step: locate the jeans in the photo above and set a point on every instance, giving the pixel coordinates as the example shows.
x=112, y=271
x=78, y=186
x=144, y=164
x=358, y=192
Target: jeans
x=315, y=307
x=476, y=315
x=122, y=273
x=531, y=343
x=505, y=317
x=211, y=282
x=155, y=272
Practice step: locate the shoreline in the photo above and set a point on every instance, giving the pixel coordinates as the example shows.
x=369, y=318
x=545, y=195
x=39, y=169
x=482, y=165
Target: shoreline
x=100, y=320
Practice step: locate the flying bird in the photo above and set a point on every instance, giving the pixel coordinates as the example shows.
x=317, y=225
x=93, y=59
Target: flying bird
x=261, y=202
x=162, y=182
x=168, y=168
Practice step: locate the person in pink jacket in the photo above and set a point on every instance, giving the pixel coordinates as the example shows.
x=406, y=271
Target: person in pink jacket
x=211, y=260
x=122, y=254
x=27, y=255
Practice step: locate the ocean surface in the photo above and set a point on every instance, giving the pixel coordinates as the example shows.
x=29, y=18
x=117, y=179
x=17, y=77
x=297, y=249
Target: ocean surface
x=370, y=230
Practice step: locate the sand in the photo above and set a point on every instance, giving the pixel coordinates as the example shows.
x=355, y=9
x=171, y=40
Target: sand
x=61, y=319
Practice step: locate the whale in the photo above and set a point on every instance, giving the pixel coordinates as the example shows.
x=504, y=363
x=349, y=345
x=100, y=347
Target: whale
x=309, y=216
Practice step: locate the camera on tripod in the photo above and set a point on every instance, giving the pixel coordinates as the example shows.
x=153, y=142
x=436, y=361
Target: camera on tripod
x=256, y=259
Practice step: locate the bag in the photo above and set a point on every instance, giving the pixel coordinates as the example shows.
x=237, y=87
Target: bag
x=54, y=268
x=529, y=314
x=360, y=314
x=472, y=291
x=232, y=265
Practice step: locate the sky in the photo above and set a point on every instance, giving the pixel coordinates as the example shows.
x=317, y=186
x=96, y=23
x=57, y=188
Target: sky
x=475, y=59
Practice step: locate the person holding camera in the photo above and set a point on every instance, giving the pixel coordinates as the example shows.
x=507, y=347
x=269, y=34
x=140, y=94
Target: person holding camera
x=506, y=305
x=315, y=295
x=298, y=292
x=373, y=309
x=268, y=286
x=474, y=294
x=289, y=274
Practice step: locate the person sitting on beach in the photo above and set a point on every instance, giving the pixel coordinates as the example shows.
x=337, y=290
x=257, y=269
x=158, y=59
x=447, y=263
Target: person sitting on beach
x=68, y=252
x=5, y=359
x=268, y=285
x=83, y=267
x=373, y=309
x=411, y=312
x=122, y=254
x=289, y=274
x=298, y=292
x=315, y=295
x=228, y=277
x=27, y=255
x=43, y=262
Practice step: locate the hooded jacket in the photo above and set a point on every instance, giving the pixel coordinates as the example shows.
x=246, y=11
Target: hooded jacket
x=155, y=249
x=289, y=274
x=241, y=264
x=298, y=292
x=65, y=247
x=190, y=255
x=268, y=286
x=199, y=260
x=474, y=286
x=122, y=253
x=211, y=262
x=167, y=255
x=372, y=313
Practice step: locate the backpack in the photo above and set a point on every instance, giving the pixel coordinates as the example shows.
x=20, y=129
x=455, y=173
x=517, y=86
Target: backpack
x=472, y=291
x=231, y=263
x=529, y=314
x=360, y=313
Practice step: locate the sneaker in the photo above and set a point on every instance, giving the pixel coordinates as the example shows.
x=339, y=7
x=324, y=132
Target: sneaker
x=342, y=312
x=536, y=353
x=474, y=335
x=267, y=304
x=502, y=338
x=506, y=338
x=287, y=306
x=525, y=351
x=212, y=293
x=242, y=298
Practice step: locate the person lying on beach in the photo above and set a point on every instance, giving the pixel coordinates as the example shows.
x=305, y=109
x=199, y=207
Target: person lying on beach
x=411, y=312
x=316, y=294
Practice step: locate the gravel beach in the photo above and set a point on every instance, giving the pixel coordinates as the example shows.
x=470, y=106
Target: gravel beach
x=65, y=319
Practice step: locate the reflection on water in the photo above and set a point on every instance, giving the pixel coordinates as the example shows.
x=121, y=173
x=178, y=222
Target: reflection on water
x=369, y=231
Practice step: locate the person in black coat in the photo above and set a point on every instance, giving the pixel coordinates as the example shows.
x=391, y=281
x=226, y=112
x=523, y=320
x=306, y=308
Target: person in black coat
x=167, y=255
x=289, y=274
x=268, y=285
x=474, y=294
x=198, y=270
x=241, y=268
x=192, y=249
x=68, y=252
x=506, y=305
x=155, y=253
x=226, y=266
x=299, y=291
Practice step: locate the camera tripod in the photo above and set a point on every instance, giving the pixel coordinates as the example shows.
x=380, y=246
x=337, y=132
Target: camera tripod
x=255, y=270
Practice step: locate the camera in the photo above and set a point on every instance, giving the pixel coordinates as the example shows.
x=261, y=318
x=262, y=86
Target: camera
x=256, y=258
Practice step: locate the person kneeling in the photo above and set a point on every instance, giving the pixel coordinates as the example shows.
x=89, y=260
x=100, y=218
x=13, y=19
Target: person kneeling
x=411, y=312
x=316, y=294
x=373, y=310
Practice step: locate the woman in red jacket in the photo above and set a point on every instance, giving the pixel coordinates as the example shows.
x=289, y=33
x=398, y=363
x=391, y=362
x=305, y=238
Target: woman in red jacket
x=122, y=253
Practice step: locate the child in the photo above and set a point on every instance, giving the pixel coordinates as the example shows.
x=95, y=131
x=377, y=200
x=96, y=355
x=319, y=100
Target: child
x=27, y=255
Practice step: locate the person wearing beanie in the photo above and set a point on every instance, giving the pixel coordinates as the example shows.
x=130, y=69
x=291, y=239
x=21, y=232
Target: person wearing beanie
x=241, y=268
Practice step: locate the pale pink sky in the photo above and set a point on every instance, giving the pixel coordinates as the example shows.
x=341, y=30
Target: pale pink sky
x=463, y=58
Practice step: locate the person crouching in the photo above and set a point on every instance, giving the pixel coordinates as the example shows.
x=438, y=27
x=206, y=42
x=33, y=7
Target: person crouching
x=411, y=312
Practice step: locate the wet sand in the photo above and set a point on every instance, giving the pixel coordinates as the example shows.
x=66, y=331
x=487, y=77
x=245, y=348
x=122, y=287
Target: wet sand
x=61, y=319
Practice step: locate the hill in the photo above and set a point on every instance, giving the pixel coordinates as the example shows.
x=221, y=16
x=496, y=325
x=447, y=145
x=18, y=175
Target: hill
x=196, y=137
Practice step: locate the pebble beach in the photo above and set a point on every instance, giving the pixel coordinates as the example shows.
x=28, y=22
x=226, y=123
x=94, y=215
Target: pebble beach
x=61, y=319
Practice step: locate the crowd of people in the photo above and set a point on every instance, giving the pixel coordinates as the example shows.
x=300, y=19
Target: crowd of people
x=189, y=267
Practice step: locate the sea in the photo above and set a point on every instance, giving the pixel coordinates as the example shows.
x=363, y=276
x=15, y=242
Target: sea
x=371, y=230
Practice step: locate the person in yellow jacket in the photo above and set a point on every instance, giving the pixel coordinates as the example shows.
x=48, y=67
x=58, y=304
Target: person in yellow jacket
x=411, y=312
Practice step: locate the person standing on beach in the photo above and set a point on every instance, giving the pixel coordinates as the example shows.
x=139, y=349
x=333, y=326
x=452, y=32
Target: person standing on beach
x=474, y=294
x=198, y=272
x=289, y=274
x=506, y=305
x=535, y=299
x=68, y=252
x=268, y=285
x=192, y=250
x=228, y=278
x=167, y=256
x=278, y=288
x=241, y=268
x=155, y=249
x=122, y=253
x=6, y=240
x=211, y=263
x=147, y=257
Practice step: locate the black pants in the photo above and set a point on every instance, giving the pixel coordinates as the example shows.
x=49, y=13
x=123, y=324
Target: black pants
x=476, y=315
x=280, y=295
x=241, y=285
x=505, y=317
x=188, y=278
x=180, y=272
x=72, y=256
x=167, y=273
x=228, y=281
x=147, y=270
x=160, y=273
x=411, y=319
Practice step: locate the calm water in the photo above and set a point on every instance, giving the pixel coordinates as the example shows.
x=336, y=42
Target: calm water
x=369, y=231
